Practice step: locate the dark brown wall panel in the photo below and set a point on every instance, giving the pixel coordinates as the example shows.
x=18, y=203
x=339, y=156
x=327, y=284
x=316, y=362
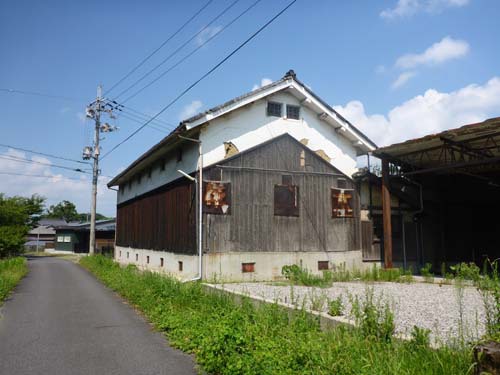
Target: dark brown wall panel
x=161, y=220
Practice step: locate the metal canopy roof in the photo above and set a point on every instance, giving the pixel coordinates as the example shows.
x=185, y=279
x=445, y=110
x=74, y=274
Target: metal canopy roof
x=470, y=149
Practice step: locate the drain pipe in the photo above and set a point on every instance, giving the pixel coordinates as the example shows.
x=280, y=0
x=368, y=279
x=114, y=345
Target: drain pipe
x=200, y=205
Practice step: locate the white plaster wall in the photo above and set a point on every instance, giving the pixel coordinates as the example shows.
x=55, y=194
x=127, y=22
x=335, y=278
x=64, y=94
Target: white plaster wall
x=158, y=177
x=247, y=127
x=227, y=266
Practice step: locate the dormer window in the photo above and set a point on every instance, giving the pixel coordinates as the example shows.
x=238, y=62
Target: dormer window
x=274, y=109
x=292, y=112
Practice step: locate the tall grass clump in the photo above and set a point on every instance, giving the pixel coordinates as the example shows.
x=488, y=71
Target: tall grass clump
x=12, y=271
x=231, y=337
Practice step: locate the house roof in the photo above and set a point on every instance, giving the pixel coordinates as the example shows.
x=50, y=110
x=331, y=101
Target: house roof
x=42, y=229
x=100, y=225
x=472, y=148
x=191, y=126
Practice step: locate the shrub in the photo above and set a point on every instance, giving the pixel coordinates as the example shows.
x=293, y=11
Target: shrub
x=302, y=276
x=425, y=271
x=420, y=337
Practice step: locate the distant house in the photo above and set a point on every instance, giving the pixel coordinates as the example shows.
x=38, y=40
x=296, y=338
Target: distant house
x=74, y=237
x=277, y=190
x=43, y=235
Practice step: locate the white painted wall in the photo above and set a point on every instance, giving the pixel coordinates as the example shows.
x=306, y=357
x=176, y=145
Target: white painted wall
x=247, y=127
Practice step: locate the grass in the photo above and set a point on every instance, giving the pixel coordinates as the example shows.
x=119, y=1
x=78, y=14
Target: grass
x=231, y=338
x=297, y=275
x=12, y=271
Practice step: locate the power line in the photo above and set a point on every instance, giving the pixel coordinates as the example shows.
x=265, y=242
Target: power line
x=192, y=52
x=160, y=46
x=44, y=154
x=203, y=76
x=178, y=49
x=39, y=175
x=14, y=158
x=13, y=91
x=140, y=121
x=159, y=121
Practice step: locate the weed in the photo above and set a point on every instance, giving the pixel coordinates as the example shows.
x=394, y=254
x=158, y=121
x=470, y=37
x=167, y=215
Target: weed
x=302, y=276
x=12, y=271
x=336, y=307
x=231, y=338
x=425, y=271
x=420, y=337
x=375, y=319
x=467, y=271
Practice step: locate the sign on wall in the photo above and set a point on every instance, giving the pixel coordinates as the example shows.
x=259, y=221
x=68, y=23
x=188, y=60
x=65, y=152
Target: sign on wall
x=216, y=197
x=342, y=203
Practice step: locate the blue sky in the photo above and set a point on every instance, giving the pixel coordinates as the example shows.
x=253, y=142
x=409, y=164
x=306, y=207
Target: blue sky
x=396, y=68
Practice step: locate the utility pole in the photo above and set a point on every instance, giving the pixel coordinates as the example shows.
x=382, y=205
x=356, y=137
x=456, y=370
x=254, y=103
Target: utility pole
x=95, y=169
x=93, y=111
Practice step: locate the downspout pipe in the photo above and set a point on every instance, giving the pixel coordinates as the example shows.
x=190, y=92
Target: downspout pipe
x=199, y=184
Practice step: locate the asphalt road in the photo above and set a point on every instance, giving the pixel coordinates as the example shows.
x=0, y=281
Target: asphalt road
x=61, y=320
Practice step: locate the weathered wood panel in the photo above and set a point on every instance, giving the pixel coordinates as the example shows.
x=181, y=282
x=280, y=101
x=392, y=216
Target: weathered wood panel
x=163, y=219
x=253, y=225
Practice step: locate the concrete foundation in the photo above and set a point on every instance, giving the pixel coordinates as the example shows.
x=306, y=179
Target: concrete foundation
x=228, y=267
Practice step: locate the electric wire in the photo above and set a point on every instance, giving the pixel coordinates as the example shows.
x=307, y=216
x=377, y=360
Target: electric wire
x=40, y=176
x=140, y=121
x=215, y=67
x=14, y=91
x=160, y=46
x=192, y=52
x=224, y=11
x=44, y=154
x=21, y=160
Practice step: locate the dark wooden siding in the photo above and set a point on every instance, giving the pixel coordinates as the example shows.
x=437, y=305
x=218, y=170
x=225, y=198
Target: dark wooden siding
x=252, y=225
x=163, y=219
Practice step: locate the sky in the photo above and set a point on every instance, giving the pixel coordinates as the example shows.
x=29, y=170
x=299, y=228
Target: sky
x=397, y=69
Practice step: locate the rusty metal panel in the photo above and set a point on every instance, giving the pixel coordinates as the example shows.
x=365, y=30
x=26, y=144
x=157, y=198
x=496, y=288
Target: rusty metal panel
x=216, y=197
x=342, y=203
x=247, y=267
x=323, y=265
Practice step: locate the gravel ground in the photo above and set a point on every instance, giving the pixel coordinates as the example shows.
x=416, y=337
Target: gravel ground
x=428, y=306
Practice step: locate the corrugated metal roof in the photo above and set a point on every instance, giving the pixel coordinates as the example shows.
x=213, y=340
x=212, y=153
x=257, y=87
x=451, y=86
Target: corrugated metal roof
x=471, y=145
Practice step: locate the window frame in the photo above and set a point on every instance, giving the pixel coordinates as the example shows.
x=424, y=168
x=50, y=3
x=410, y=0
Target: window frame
x=270, y=103
x=290, y=106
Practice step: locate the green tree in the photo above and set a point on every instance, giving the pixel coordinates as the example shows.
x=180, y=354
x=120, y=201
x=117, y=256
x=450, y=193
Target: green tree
x=17, y=216
x=63, y=210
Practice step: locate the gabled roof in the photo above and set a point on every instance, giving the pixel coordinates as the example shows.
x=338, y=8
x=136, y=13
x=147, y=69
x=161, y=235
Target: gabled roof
x=100, y=225
x=190, y=127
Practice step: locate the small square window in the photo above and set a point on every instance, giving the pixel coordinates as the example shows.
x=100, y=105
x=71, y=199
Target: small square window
x=323, y=265
x=181, y=266
x=67, y=238
x=60, y=238
x=247, y=267
x=293, y=112
x=274, y=109
x=286, y=200
x=161, y=262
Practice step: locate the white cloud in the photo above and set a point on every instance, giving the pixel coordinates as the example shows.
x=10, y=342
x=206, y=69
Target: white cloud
x=429, y=113
x=440, y=52
x=407, y=8
x=191, y=109
x=402, y=79
x=380, y=69
x=207, y=34
x=56, y=186
x=81, y=116
x=263, y=82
